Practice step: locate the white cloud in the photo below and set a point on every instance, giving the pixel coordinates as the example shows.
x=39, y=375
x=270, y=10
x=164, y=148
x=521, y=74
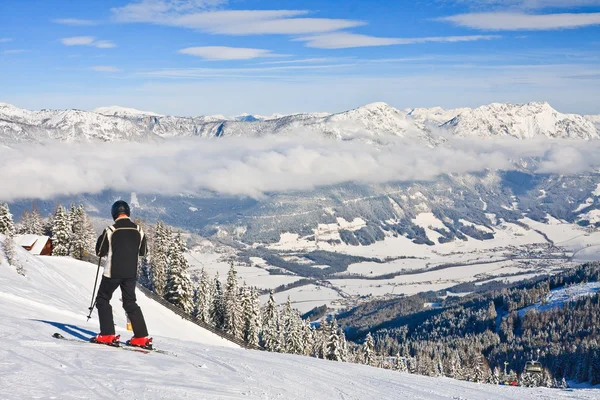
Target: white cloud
x=344, y=40
x=253, y=167
x=14, y=51
x=5, y=40
x=514, y=21
x=104, y=44
x=529, y=4
x=75, y=22
x=78, y=41
x=228, y=22
x=225, y=53
x=104, y=68
x=87, y=41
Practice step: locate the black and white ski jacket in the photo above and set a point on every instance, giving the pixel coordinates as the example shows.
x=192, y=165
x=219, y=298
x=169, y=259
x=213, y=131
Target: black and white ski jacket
x=122, y=243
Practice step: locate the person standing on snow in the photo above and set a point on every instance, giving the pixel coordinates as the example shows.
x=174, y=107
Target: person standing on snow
x=123, y=243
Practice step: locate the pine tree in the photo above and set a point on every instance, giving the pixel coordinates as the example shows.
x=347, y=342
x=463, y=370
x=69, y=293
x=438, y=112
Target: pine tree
x=254, y=333
x=145, y=265
x=10, y=252
x=233, y=322
x=295, y=340
x=6, y=220
x=217, y=310
x=251, y=315
x=48, y=225
x=270, y=325
x=333, y=342
x=61, y=233
x=83, y=235
x=203, y=298
x=31, y=223
x=307, y=337
x=7, y=228
x=179, y=290
x=368, y=350
x=160, y=258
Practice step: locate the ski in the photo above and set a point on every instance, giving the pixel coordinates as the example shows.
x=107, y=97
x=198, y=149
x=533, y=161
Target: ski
x=125, y=347
x=122, y=345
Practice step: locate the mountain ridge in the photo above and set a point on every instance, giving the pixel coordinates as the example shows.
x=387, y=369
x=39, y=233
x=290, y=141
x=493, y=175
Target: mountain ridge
x=374, y=120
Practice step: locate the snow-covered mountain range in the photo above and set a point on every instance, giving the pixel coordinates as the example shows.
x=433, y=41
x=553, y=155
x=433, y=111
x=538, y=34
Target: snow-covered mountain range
x=376, y=120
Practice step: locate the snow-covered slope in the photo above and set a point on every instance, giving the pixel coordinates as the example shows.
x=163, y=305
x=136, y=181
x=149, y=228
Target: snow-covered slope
x=125, y=112
x=558, y=297
x=523, y=121
x=435, y=116
x=51, y=298
x=594, y=119
x=59, y=290
x=372, y=121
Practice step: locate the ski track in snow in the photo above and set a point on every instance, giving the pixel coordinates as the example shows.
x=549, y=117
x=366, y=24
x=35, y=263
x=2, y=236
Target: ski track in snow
x=57, y=290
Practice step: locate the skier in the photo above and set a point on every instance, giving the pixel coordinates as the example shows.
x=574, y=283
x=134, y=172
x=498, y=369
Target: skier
x=122, y=242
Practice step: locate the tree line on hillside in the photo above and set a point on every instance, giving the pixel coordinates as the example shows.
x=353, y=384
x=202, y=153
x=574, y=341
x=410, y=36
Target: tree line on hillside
x=491, y=337
x=71, y=230
x=236, y=308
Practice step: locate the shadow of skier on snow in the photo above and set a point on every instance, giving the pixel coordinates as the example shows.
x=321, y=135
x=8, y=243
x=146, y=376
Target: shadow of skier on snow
x=72, y=330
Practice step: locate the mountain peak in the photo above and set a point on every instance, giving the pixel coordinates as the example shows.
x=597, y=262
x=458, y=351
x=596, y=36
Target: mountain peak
x=377, y=106
x=118, y=111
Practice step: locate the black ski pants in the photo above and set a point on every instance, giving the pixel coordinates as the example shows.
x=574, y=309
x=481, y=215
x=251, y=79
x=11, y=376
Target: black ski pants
x=105, y=292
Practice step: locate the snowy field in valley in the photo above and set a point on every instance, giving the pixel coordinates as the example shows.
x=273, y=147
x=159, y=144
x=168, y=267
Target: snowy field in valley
x=518, y=251
x=54, y=296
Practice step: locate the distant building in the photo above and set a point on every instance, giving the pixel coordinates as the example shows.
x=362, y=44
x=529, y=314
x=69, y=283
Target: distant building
x=37, y=245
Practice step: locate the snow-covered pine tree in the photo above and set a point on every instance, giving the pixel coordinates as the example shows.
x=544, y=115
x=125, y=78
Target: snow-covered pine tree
x=48, y=225
x=217, y=309
x=160, y=259
x=295, y=340
x=22, y=228
x=145, y=265
x=343, y=346
x=250, y=315
x=31, y=223
x=179, y=290
x=286, y=322
x=307, y=338
x=233, y=319
x=270, y=321
x=333, y=342
x=60, y=233
x=368, y=350
x=6, y=220
x=83, y=235
x=204, y=300
x=255, y=323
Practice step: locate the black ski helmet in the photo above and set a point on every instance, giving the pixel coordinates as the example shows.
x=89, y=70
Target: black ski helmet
x=120, y=207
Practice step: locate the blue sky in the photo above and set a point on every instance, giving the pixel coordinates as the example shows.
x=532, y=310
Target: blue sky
x=195, y=57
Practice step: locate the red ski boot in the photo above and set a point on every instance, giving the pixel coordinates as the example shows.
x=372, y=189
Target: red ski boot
x=143, y=342
x=111, y=340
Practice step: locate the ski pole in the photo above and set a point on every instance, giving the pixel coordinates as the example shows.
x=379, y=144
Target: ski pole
x=93, y=303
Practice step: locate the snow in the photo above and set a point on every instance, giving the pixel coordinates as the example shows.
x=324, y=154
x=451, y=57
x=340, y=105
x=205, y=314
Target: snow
x=592, y=216
x=305, y=298
x=57, y=287
x=588, y=202
x=36, y=242
x=123, y=112
x=558, y=297
x=597, y=191
x=256, y=275
x=428, y=221
x=523, y=121
x=54, y=297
